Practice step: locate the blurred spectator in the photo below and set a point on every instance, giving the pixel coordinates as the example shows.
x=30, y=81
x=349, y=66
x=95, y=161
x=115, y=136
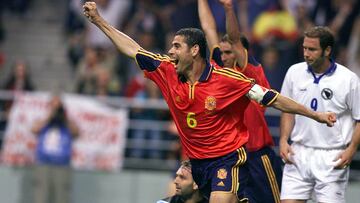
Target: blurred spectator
x=52, y=174
x=86, y=72
x=273, y=71
x=105, y=85
x=89, y=73
x=19, y=79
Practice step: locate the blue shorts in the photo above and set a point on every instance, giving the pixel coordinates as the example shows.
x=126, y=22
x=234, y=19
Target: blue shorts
x=227, y=173
x=265, y=173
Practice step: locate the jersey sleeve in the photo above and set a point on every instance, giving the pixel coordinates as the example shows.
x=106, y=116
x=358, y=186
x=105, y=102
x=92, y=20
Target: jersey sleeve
x=157, y=68
x=149, y=61
x=353, y=98
x=216, y=56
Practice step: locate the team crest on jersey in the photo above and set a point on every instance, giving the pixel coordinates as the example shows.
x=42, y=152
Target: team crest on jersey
x=327, y=93
x=178, y=99
x=210, y=103
x=222, y=173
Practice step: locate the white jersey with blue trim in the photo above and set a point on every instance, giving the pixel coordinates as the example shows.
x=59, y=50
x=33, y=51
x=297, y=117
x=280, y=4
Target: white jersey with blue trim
x=337, y=90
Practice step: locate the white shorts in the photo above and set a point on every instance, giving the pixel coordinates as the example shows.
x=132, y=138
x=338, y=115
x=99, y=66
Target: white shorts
x=313, y=172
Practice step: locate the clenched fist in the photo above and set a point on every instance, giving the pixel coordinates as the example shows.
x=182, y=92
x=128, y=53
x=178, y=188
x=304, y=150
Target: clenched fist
x=90, y=11
x=327, y=117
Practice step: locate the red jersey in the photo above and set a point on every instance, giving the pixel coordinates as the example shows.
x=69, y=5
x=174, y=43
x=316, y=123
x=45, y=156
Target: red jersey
x=208, y=114
x=254, y=114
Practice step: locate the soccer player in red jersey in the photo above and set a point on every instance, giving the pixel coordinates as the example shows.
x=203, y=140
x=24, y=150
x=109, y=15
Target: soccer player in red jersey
x=207, y=103
x=264, y=165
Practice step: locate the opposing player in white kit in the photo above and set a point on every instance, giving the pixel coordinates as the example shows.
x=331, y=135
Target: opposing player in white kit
x=318, y=158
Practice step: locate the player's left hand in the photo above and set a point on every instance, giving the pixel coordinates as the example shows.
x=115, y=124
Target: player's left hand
x=327, y=117
x=344, y=159
x=286, y=151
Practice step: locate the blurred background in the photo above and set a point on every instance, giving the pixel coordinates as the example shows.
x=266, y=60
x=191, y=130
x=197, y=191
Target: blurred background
x=48, y=46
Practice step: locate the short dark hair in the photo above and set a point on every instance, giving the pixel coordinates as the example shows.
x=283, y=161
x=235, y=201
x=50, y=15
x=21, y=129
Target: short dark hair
x=243, y=39
x=186, y=164
x=194, y=36
x=324, y=34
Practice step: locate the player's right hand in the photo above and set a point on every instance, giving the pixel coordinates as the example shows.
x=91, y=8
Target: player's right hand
x=327, y=117
x=285, y=152
x=90, y=11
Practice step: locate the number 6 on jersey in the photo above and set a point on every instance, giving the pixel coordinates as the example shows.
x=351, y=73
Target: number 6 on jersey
x=190, y=120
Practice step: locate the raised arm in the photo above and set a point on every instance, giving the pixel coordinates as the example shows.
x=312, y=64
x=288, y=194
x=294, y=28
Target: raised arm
x=208, y=24
x=232, y=29
x=124, y=43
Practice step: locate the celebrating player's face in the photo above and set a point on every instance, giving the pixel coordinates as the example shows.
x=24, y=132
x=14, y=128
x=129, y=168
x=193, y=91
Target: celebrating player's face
x=227, y=55
x=180, y=54
x=313, y=54
x=184, y=182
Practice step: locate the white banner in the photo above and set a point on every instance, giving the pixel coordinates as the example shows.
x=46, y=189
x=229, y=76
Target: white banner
x=102, y=131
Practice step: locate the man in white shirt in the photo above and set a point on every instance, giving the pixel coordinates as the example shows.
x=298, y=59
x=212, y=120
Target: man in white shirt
x=318, y=158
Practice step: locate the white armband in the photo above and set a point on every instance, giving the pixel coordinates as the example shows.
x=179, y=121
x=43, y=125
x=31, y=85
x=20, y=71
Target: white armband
x=262, y=95
x=257, y=93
